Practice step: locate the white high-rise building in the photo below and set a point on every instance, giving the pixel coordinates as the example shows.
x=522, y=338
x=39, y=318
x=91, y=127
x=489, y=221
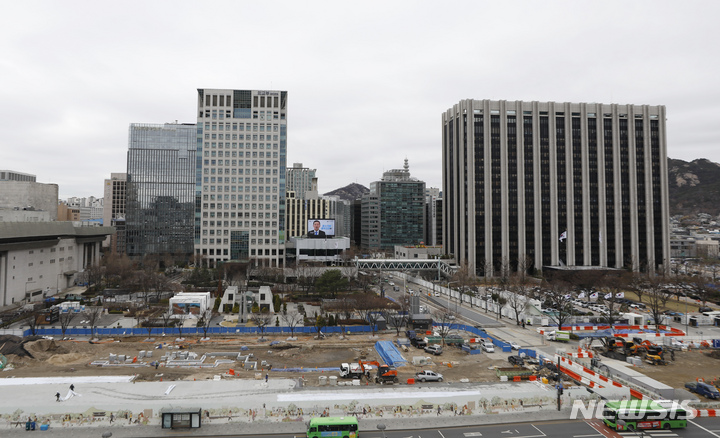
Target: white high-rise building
x=240, y=178
x=300, y=180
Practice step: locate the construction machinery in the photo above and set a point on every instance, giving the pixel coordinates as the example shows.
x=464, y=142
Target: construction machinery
x=385, y=373
x=655, y=359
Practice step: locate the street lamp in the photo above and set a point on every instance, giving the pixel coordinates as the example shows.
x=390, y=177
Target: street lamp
x=450, y=293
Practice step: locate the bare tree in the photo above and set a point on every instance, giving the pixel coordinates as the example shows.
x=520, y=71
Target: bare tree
x=65, y=318
x=261, y=319
x=505, y=273
x=94, y=276
x=396, y=319
x=517, y=298
x=369, y=307
x=204, y=320
x=167, y=320
x=344, y=309
x=443, y=320
x=701, y=288
x=148, y=322
x=350, y=270
x=611, y=285
x=93, y=315
x=31, y=321
x=292, y=319
x=556, y=293
x=657, y=298
x=363, y=281
x=637, y=284
x=306, y=276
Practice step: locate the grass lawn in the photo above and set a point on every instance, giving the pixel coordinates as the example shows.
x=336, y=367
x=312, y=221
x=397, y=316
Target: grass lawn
x=673, y=304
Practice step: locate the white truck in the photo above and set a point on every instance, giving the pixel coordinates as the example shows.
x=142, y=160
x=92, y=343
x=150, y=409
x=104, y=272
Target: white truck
x=558, y=335
x=354, y=370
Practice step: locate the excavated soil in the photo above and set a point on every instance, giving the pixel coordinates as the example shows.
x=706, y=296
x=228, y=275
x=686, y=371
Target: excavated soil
x=47, y=357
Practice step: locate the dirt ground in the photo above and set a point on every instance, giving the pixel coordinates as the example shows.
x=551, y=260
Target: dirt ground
x=72, y=358
x=687, y=366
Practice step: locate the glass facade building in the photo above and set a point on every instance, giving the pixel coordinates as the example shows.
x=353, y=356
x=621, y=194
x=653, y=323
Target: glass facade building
x=529, y=185
x=393, y=213
x=160, y=187
x=240, y=188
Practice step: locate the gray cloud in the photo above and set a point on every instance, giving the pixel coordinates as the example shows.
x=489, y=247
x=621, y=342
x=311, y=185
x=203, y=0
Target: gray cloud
x=367, y=81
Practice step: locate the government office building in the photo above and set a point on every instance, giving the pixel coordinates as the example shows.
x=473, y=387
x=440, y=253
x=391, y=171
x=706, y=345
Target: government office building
x=160, y=190
x=535, y=185
x=240, y=176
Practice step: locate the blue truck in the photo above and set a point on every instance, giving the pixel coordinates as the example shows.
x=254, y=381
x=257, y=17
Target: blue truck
x=703, y=389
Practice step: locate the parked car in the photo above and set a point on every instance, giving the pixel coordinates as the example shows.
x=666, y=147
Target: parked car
x=488, y=347
x=705, y=309
x=429, y=376
x=516, y=360
x=434, y=349
x=514, y=345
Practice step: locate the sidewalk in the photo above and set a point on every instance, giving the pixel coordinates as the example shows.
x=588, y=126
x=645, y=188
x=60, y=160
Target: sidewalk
x=299, y=427
x=256, y=406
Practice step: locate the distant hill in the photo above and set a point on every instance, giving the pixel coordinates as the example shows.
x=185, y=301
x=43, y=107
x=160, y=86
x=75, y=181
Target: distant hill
x=694, y=187
x=350, y=192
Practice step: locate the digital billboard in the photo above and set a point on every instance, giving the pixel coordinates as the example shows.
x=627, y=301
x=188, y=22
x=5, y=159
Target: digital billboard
x=318, y=228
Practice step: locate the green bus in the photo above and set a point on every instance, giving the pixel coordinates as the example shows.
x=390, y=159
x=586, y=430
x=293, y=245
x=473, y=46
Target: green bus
x=344, y=427
x=645, y=414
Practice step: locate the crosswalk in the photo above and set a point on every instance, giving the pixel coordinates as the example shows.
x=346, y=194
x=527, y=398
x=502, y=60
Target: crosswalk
x=653, y=433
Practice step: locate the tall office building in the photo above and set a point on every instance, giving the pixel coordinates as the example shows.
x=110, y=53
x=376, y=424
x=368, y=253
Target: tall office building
x=312, y=206
x=433, y=216
x=393, y=213
x=543, y=184
x=300, y=180
x=114, y=197
x=160, y=201
x=240, y=180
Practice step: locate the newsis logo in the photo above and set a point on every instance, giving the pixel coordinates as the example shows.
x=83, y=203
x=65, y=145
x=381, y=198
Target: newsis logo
x=634, y=410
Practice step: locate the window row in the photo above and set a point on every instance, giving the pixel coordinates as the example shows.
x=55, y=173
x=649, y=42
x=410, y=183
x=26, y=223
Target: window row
x=240, y=154
x=255, y=137
x=226, y=145
x=254, y=127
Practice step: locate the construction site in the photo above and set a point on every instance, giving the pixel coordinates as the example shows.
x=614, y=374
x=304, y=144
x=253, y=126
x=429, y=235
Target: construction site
x=310, y=360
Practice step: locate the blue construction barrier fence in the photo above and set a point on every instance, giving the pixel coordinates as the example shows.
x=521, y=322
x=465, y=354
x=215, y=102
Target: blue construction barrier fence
x=190, y=331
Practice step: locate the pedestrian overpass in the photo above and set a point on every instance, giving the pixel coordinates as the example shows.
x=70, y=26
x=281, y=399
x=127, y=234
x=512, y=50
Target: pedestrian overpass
x=438, y=265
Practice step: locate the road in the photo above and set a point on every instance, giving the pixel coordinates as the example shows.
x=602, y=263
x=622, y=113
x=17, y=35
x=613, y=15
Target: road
x=697, y=428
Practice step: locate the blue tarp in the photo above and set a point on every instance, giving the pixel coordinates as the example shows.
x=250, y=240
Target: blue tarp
x=390, y=354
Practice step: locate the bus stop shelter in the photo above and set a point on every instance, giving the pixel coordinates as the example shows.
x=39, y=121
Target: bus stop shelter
x=180, y=418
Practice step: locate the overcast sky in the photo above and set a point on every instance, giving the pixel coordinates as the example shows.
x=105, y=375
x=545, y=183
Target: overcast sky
x=367, y=81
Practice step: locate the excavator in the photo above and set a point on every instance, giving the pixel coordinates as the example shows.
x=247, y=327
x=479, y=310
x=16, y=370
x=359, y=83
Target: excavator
x=385, y=373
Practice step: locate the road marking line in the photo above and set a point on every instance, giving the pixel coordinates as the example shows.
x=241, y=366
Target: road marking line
x=584, y=436
x=706, y=430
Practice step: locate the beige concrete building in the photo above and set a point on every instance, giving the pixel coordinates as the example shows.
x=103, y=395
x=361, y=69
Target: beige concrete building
x=533, y=184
